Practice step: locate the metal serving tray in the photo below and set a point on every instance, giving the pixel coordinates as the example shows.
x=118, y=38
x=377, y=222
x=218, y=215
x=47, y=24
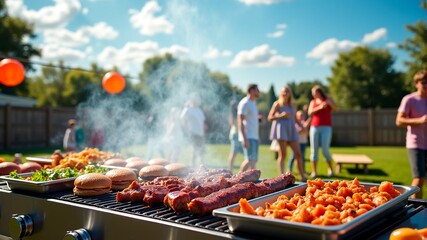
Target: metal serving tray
x=38, y=187
x=278, y=228
x=42, y=160
x=46, y=186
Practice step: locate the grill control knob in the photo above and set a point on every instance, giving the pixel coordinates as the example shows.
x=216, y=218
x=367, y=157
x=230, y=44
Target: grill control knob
x=20, y=226
x=79, y=234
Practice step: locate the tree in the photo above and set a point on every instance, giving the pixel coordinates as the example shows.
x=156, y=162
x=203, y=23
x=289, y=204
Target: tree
x=13, y=32
x=48, y=88
x=302, y=91
x=79, y=86
x=365, y=78
x=416, y=48
x=271, y=96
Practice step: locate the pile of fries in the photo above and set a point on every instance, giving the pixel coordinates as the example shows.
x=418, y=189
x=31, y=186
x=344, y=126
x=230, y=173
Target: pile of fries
x=329, y=203
x=83, y=158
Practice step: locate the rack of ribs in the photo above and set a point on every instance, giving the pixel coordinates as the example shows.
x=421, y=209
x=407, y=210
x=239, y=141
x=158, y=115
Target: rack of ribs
x=178, y=200
x=154, y=192
x=205, y=205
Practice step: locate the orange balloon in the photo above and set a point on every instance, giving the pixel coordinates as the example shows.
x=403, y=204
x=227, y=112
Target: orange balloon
x=113, y=82
x=12, y=73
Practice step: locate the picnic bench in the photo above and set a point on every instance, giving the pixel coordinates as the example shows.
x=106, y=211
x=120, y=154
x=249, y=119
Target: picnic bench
x=356, y=159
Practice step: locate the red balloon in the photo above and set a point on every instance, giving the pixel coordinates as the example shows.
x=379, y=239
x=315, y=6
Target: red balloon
x=113, y=82
x=12, y=73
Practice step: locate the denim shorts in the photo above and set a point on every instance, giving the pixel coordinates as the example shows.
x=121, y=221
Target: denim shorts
x=251, y=153
x=236, y=146
x=418, y=161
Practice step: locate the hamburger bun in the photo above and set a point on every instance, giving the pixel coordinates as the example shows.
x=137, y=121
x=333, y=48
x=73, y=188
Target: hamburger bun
x=91, y=184
x=30, y=167
x=158, y=161
x=150, y=172
x=121, y=178
x=177, y=169
x=136, y=164
x=116, y=162
x=133, y=159
x=7, y=167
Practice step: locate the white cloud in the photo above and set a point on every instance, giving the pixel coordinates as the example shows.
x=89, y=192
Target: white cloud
x=279, y=31
x=213, y=53
x=47, y=17
x=391, y=45
x=85, y=11
x=254, y=2
x=276, y=34
x=55, y=53
x=65, y=37
x=374, y=36
x=329, y=49
x=100, y=30
x=176, y=50
x=133, y=54
x=261, y=56
x=281, y=26
x=147, y=23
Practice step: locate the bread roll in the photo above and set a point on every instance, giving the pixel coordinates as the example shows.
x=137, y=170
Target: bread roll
x=7, y=167
x=92, y=184
x=121, y=178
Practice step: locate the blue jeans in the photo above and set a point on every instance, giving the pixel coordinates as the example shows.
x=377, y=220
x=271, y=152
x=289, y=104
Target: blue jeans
x=320, y=136
x=302, y=147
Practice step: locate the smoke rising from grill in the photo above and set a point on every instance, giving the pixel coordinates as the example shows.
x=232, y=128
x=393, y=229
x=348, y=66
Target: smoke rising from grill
x=129, y=120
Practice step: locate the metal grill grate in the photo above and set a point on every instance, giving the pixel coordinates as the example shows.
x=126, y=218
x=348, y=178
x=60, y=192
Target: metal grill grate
x=159, y=212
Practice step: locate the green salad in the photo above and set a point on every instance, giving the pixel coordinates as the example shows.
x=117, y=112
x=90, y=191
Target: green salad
x=55, y=174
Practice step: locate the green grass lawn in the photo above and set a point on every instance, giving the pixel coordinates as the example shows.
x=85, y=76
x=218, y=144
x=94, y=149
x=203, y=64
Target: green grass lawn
x=390, y=163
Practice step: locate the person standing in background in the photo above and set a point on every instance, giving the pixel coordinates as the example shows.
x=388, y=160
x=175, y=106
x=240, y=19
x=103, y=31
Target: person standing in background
x=283, y=130
x=302, y=129
x=247, y=123
x=193, y=121
x=97, y=138
x=80, y=138
x=412, y=114
x=236, y=146
x=173, y=135
x=320, y=109
x=69, y=141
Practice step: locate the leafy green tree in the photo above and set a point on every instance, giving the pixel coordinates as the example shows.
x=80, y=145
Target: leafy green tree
x=302, y=91
x=13, y=32
x=154, y=75
x=271, y=96
x=79, y=86
x=416, y=48
x=48, y=88
x=365, y=78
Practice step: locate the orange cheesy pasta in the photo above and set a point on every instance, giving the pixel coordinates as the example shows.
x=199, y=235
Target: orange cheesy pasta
x=329, y=203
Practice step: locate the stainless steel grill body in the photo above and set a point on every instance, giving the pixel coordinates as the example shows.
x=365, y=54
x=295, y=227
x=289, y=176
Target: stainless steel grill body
x=53, y=218
x=52, y=215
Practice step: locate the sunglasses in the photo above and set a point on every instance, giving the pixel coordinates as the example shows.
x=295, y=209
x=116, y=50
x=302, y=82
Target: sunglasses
x=423, y=82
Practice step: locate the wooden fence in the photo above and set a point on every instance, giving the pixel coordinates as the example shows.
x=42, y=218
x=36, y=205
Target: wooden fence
x=26, y=127
x=366, y=127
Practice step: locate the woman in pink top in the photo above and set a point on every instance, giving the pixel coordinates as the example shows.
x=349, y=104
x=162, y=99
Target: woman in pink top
x=412, y=114
x=320, y=109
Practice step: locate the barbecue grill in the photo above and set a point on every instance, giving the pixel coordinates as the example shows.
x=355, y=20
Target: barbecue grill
x=61, y=215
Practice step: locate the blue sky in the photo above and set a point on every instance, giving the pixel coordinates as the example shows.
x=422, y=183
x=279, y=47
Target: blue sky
x=261, y=41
